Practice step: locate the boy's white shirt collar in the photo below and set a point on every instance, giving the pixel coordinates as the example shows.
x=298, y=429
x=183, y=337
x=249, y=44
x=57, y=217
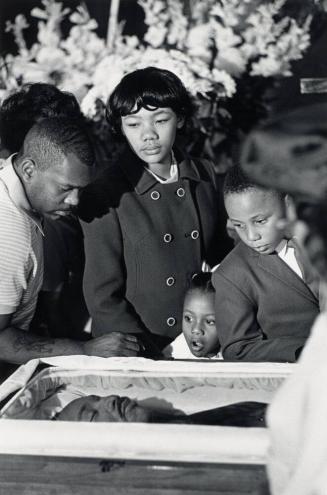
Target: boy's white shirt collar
x=282, y=247
x=287, y=254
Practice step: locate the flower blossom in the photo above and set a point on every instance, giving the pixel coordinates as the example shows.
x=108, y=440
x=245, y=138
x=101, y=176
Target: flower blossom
x=156, y=35
x=223, y=43
x=199, y=42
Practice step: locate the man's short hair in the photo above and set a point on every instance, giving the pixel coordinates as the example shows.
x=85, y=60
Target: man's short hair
x=51, y=139
x=32, y=103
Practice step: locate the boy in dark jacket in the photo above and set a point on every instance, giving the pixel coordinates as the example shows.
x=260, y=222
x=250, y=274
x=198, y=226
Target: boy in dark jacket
x=265, y=305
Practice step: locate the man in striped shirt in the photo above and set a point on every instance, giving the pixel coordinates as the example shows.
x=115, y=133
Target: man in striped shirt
x=44, y=178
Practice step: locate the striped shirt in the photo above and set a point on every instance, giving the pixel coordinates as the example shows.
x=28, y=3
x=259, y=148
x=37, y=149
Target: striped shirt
x=21, y=250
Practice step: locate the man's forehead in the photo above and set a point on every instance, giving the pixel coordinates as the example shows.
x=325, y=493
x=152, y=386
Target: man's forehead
x=74, y=172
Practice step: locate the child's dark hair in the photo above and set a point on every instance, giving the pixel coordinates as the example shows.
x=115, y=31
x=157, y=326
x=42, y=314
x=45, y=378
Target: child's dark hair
x=236, y=181
x=148, y=88
x=202, y=283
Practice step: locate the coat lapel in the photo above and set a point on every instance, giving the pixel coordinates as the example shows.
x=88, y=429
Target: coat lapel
x=277, y=268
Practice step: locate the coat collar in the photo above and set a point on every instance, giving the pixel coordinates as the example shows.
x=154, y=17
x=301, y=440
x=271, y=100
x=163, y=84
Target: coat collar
x=277, y=268
x=142, y=181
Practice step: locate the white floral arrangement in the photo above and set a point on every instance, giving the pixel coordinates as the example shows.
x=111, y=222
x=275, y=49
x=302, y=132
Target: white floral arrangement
x=211, y=50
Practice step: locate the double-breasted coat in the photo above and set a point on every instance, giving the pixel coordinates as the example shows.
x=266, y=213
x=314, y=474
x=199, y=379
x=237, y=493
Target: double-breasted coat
x=143, y=242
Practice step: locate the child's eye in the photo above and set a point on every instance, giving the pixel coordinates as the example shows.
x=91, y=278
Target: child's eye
x=211, y=322
x=187, y=318
x=238, y=226
x=261, y=221
x=132, y=124
x=161, y=121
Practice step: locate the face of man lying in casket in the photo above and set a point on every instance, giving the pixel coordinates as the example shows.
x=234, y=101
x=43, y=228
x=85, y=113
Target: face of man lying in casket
x=105, y=409
x=114, y=408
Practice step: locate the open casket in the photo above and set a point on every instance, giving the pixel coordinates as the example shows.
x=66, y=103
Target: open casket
x=157, y=458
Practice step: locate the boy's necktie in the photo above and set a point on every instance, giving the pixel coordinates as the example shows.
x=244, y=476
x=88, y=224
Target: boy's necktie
x=301, y=257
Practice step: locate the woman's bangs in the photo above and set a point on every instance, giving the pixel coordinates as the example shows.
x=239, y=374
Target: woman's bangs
x=149, y=100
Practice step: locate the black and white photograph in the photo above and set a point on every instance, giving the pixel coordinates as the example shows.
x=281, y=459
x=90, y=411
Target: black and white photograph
x=163, y=247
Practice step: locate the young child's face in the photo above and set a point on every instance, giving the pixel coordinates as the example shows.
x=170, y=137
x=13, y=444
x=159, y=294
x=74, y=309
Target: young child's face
x=151, y=134
x=113, y=409
x=255, y=214
x=199, y=324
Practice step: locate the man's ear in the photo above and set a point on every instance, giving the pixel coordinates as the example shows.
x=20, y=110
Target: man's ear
x=180, y=122
x=28, y=169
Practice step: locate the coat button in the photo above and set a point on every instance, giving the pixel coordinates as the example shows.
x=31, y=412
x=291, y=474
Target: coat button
x=180, y=192
x=195, y=234
x=171, y=321
x=167, y=238
x=155, y=195
x=170, y=281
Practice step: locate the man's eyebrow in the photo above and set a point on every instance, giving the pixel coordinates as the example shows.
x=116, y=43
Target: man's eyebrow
x=71, y=186
x=263, y=214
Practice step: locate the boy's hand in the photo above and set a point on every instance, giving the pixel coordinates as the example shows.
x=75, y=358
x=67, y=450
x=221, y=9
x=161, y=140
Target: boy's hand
x=111, y=345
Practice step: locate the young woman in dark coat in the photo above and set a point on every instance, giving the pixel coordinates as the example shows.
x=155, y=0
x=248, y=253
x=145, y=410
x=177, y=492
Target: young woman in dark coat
x=152, y=218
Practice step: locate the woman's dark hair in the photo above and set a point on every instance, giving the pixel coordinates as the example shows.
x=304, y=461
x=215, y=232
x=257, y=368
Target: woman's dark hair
x=34, y=102
x=201, y=282
x=148, y=88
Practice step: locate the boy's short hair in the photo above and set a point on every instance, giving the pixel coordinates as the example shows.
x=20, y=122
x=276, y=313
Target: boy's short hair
x=148, y=88
x=51, y=139
x=24, y=108
x=201, y=282
x=236, y=181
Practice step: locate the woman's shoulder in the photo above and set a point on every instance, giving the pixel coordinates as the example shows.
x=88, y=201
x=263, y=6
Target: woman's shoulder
x=202, y=163
x=197, y=167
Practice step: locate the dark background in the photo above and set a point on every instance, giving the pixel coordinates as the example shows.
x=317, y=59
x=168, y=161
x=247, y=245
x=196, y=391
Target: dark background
x=313, y=65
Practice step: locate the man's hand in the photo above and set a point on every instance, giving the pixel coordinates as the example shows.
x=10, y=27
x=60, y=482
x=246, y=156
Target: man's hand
x=112, y=344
